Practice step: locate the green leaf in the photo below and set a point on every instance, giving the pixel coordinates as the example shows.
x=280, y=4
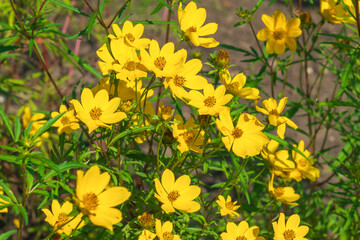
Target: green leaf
x=8, y=192
x=8, y=48
x=10, y=158
x=7, y=122
x=257, y=5
x=6, y=235
x=47, y=126
x=91, y=23
x=131, y=131
x=17, y=129
x=24, y=214
x=74, y=9
x=31, y=45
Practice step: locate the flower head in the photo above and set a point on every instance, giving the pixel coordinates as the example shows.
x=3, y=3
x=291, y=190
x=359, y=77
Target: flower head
x=279, y=32
x=146, y=220
x=191, y=20
x=59, y=218
x=334, y=11
x=37, y=123
x=176, y=194
x=285, y=195
x=97, y=111
x=227, y=207
x=165, y=231
x=279, y=160
x=68, y=122
x=246, y=138
x=241, y=232
x=212, y=102
x=236, y=85
x=291, y=230
x=303, y=165
x=147, y=235
x=96, y=201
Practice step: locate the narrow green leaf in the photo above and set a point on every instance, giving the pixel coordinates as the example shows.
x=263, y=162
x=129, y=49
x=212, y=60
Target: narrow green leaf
x=24, y=214
x=47, y=126
x=17, y=129
x=9, y=158
x=257, y=5
x=6, y=235
x=8, y=192
x=131, y=131
x=31, y=45
x=7, y=122
x=91, y=23
x=74, y=9
x=102, y=5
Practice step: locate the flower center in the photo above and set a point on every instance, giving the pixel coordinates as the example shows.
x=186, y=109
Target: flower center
x=303, y=163
x=95, y=113
x=146, y=220
x=229, y=205
x=274, y=112
x=130, y=65
x=289, y=234
x=241, y=238
x=90, y=201
x=279, y=34
x=192, y=29
x=332, y=11
x=168, y=236
x=279, y=191
x=179, y=81
x=188, y=136
x=210, y=101
x=160, y=63
x=166, y=110
x=130, y=37
x=65, y=120
x=62, y=219
x=173, y=196
x=237, y=132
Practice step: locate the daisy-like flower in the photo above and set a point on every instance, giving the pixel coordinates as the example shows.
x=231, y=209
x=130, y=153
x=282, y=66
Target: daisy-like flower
x=37, y=123
x=176, y=194
x=273, y=110
x=227, y=207
x=60, y=220
x=187, y=135
x=279, y=160
x=97, y=202
x=285, y=195
x=334, y=11
x=191, y=20
x=279, y=32
x=130, y=35
x=68, y=122
x=289, y=230
x=246, y=139
x=106, y=65
x=104, y=84
x=236, y=85
x=212, y=101
x=304, y=166
x=3, y=202
x=186, y=78
x=147, y=235
x=163, y=62
x=97, y=111
x=241, y=231
x=165, y=231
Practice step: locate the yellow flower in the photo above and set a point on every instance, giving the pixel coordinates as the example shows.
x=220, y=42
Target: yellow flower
x=227, y=207
x=334, y=11
x=191, y=20
x=164, y=232
x=291, y=230
x=106, y=65
x=144, y=119
x=146, y=220
x=176, y=194
x=3, y=202
x=279, y=160
x=285, y=195
x=163, y=62
x=273, y=110
x=164, y=112
x=95, y=201
x=130, y=35
x=246, y=139
x=147, y=235
x=241, y=231
x=97, y=111
x=212, y=101
x=236, y=85
x=186, y=78
x=187, y=135
x=68, y=122
x=279, y=32
x=36, y=124
x=104, y=84
x=59, y=217
x=303, y=165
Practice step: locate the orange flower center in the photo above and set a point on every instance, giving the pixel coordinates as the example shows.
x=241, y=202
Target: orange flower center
x=192, y=29
x=303, y=163
x=65, y=120
x=229, y=205
x=130, y=37
x=241, y=238
x=274, y=112
x=90, y=201
x=237, y=133
x=332, y=11
x=62, y=219
x=166, y=110
x=279, y=34
x=130, y=65
x=188, y=136
x=210, y=101
x=160, y=63
x=95, y=113
x=179, y=81
x=279, y=191
x=173, y=196
x=168, y=236
x=146, y=220
x=289, y=234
